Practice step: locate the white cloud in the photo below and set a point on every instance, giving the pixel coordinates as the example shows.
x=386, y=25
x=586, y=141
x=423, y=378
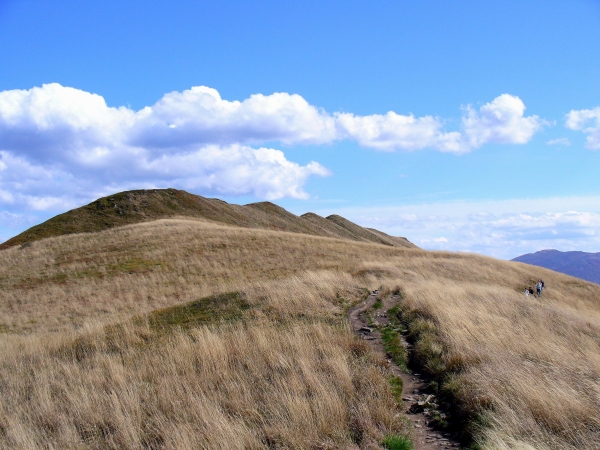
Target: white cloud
x=438, y=240
x=60, y=145
x=222, y=170
x=588, y=121
x=503, y=228
x=235, y=169
x=501, y=121
x=56, y=141
x=559, y=141
x=199, y=115
x=79, y=126
x=394, y=131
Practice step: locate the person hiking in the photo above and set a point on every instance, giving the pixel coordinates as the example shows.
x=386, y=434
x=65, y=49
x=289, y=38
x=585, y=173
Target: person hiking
x=538, y=288
x=543, y=285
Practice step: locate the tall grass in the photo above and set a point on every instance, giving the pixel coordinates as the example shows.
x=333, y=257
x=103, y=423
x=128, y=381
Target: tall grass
x=287, y=371
x=70, y=281
x=267, y=378
x=526, y=370
x=230, y=386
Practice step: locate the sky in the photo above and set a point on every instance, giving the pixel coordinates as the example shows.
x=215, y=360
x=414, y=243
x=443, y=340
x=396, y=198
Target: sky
x=464, y=126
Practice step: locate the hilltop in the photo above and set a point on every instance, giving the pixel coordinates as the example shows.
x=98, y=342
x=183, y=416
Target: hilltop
x=577, y=264
x=140, y=206
x=187, y=333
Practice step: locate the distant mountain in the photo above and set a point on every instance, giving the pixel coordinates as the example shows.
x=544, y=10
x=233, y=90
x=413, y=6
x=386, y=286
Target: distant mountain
x=138, y=206
x=578, y=264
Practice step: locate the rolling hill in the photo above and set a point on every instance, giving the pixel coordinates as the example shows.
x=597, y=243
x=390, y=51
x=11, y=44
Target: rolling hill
x=577, y=264
x=174, y=332
x=139, y=206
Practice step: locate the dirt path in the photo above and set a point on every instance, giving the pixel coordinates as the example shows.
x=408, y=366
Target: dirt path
x=414, y=387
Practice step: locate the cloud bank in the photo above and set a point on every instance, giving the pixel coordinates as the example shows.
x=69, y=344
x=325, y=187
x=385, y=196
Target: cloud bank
x=588, y=121
x=501, y=228
x=56, y=142
x=61, y=146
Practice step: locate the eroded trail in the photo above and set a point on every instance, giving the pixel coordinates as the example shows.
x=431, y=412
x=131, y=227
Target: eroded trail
x=414, y=391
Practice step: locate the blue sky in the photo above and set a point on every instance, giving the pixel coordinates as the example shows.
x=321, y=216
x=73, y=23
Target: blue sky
x=465, y=125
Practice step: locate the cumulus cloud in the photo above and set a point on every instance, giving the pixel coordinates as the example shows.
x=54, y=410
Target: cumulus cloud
x=60, y=145
x=588, y=121
x=438, y=240
x=199, y=115
x=503, y=228
x=56, y=141
x=234, y=169
x=56, y=119
x=394, y=131
x=502, y=121
x=56, y=122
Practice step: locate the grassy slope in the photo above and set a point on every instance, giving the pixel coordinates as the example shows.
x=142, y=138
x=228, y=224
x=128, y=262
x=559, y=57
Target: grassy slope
x=527, y=369
x=364, y=234
x=138, y=206
x=273, y=366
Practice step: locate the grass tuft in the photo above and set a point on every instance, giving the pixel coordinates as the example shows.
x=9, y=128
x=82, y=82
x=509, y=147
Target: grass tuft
x=393, y=346
x=397, y=442
x=397, y=384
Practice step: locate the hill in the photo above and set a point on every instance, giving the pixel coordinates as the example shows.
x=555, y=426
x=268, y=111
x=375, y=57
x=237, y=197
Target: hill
x=578, y=264
x=185, y=333
x=138, y=206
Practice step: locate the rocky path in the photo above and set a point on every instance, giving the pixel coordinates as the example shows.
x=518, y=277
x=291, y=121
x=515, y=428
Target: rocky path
x=414, y=388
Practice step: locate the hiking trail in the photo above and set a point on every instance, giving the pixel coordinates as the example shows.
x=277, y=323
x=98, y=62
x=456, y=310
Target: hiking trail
x=414, y=390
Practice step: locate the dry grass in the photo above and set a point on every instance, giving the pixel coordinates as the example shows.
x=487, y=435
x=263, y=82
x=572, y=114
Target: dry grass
x=533, y=364
x=232, y=386
x=527, y=368
x=284, y=371
x=69, y=281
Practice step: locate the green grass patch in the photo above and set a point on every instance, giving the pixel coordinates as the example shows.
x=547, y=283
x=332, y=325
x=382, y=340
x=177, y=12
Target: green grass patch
x=397, y=442
x=394, y=314
x=224, y=307
x=397, y=385
x=393, y=346
x=133, y=266
x=378, y=304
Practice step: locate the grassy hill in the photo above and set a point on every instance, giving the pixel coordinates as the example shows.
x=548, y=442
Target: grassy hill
x=184, y=333
x=139, y=206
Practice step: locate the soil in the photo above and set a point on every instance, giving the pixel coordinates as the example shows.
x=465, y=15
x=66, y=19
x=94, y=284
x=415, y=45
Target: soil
x=425, y=437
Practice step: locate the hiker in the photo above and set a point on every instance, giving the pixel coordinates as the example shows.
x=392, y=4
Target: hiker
x=530, y=291
x=543, y=285
x=526, y=292
x=538, y=288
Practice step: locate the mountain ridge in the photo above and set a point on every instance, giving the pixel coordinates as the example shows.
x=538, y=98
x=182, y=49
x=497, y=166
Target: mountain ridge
x=575, y=263
x=136, y=206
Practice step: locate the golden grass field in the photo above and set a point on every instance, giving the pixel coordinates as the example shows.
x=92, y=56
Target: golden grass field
x=89, y=362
